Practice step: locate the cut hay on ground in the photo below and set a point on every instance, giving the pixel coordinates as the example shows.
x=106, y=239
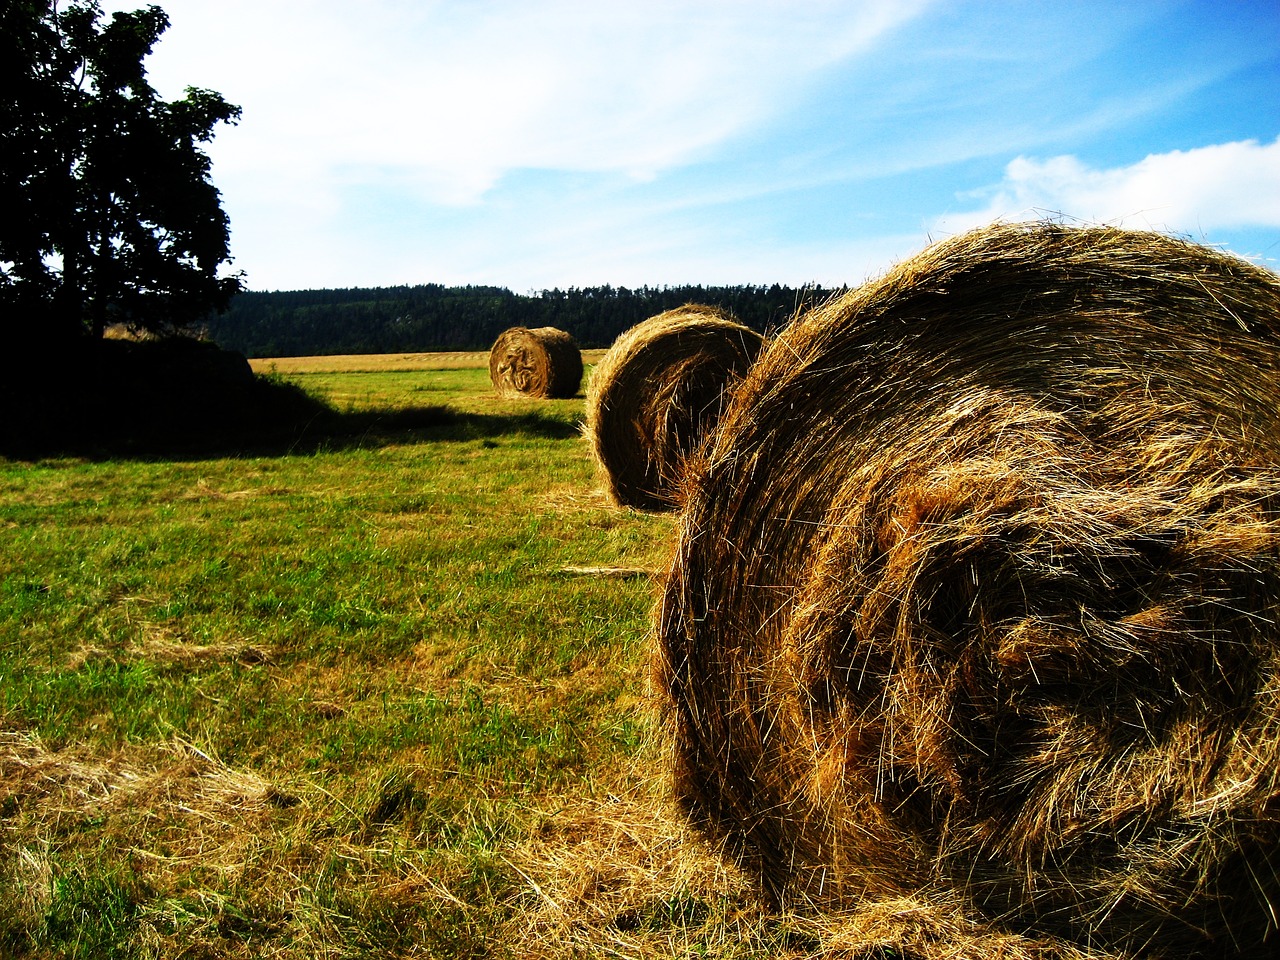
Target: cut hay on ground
x=542, y=363
x=976, y=598
x=627, y=877
x=657, y=392
x=372, y=362
x=71, y=783
x=616, y=573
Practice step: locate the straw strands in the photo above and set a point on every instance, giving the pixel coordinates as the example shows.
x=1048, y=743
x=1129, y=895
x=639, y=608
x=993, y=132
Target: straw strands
x=626, y=876
x=976, y=596
x=657, y=393
x=540, y=363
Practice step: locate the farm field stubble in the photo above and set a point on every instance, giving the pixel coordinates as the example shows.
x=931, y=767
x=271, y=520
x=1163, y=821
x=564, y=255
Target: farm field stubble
x=360, y=702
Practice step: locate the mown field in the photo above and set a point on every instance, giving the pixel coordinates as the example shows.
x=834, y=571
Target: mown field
x=384, y=698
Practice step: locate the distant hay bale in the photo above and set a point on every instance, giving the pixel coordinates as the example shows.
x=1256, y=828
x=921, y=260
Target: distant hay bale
x=657, y=393
x=542, y=363
x=977, y=593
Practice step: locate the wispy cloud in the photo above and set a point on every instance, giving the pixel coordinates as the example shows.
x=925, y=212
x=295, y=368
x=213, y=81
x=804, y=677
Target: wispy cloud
x=567, y=142
x=1220, y=187
x=450, y=96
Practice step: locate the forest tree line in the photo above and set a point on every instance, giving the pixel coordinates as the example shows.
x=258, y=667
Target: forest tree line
x=433, y=317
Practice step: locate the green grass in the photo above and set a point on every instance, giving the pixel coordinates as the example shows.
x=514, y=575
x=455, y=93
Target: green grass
x=352, y=702
x=398, y=388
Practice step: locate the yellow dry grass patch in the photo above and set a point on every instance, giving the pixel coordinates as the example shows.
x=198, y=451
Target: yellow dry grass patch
x=158, y=643
x=572, y=498
x=176, y=780
x=626, y=876
x=208, y=839
x=203, y=490
x=386, y=362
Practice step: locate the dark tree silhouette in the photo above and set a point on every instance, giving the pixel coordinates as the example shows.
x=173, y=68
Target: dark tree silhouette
x=435, y=317
x=110, y=215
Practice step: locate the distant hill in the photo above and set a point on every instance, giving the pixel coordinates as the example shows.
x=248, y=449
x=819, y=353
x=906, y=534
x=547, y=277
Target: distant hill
x=433, y=317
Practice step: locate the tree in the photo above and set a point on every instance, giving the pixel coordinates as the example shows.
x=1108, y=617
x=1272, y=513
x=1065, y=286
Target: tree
x=110, y=215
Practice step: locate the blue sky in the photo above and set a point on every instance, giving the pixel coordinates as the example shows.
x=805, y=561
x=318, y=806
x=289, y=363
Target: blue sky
x=533, y=144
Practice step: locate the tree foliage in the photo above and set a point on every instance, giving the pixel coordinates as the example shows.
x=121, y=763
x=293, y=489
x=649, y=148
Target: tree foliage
x=435, y=317
x=110, y=215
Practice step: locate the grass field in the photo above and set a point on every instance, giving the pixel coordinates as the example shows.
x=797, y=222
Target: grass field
x=383, y=699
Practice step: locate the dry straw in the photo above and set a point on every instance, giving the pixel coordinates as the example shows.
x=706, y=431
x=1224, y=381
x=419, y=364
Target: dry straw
x=976, y=598
x=625, y=876
x=542, y=363
x=656, y=393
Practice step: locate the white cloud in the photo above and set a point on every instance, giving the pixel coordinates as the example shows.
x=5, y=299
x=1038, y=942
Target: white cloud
x=436, y=101
x=451, y=95
x=574, y=141
x=1221, y=187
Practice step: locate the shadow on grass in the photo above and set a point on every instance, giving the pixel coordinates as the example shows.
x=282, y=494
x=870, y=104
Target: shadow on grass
x=162, y=400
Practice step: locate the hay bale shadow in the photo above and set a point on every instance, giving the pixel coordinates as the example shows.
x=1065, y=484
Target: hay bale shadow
x=185, y=398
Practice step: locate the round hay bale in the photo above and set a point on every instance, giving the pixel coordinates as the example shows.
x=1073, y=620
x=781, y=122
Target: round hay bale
x=656, y=393
x=543, y=363
x=977, y=595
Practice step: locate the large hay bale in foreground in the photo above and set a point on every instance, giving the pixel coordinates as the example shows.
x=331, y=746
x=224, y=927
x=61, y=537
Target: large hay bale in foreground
x=542, y=363
x=656, y=393
x=977, y=596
